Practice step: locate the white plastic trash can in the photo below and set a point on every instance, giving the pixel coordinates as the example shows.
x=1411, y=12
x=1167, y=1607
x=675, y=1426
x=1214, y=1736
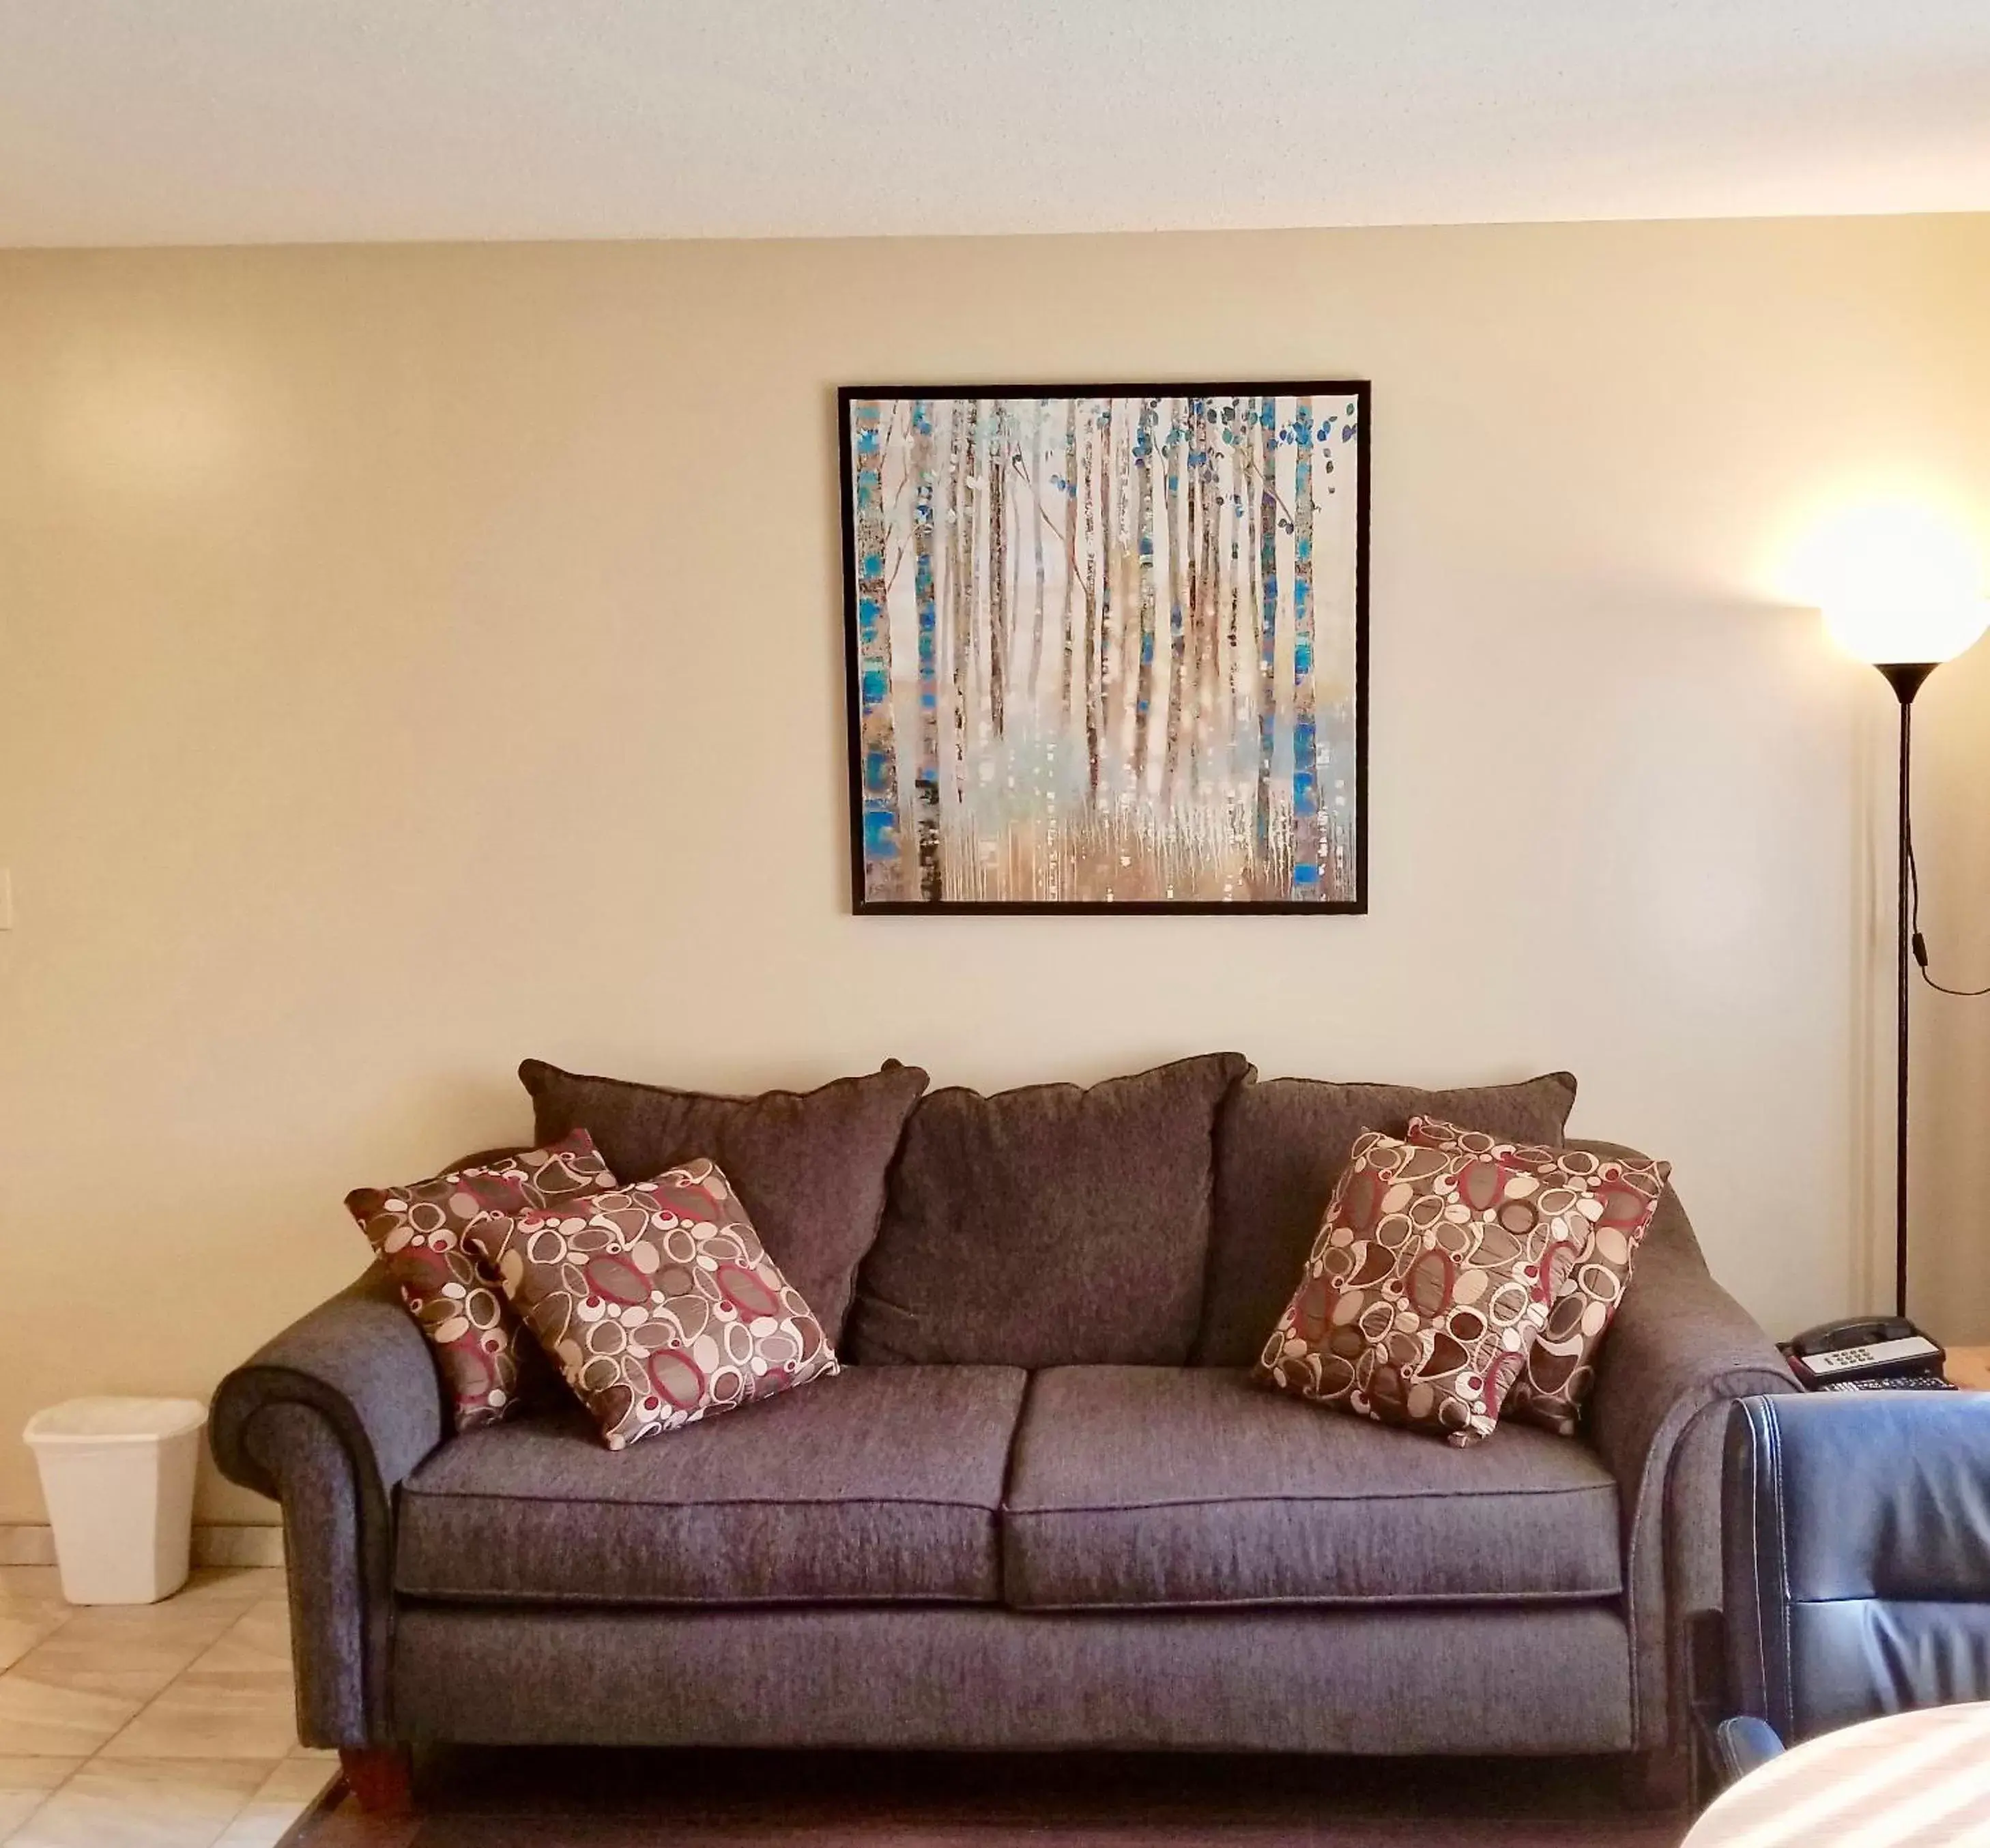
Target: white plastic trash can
x=117, y=1474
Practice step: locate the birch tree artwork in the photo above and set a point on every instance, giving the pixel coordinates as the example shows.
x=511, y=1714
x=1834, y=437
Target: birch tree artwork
x=1107, y=651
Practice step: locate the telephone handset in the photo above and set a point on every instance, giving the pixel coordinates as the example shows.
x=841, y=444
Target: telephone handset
x=1864, y=1353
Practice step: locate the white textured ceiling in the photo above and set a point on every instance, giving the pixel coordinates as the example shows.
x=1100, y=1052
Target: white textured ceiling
x=201, y=121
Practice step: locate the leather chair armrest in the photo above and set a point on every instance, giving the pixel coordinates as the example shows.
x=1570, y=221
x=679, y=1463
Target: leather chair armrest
x=329, y=1418
x=1680, y=1349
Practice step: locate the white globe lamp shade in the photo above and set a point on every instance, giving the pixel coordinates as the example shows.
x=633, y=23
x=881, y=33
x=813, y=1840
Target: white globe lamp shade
x=1902, y=586
x=1901, y=631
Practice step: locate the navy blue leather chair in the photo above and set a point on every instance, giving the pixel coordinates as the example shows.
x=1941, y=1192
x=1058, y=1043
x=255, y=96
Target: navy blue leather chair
x=1855, y=1543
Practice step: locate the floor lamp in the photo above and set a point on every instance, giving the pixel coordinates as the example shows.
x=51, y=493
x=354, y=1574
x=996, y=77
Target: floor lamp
x=1906, y=638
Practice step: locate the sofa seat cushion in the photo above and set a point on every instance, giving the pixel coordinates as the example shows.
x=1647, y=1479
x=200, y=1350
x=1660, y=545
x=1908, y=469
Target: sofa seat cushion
x=1157, y=1487
x=880, y=1484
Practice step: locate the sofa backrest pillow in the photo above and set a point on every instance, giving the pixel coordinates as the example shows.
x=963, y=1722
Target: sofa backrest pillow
x=809, y=1166
x=1049, y=1226
x=1280, y=1147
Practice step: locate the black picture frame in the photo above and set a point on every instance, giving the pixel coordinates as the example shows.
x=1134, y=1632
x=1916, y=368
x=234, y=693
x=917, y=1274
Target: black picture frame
x=1360, y=391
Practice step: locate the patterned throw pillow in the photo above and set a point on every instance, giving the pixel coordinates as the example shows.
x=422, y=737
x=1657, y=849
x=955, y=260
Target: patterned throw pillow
x=1427, y=1286
x=1620, y=1196
x=418, y=1232
x=657, y=1302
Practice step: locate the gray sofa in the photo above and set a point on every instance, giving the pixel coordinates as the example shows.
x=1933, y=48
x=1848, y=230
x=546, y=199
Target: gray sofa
x=1066, y=1522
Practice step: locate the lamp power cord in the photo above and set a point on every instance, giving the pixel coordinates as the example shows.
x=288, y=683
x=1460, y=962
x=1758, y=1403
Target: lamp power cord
x=1916, y=942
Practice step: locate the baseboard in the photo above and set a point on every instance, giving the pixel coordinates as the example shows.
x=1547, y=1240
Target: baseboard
x=233, y=1544
x=24, y=1544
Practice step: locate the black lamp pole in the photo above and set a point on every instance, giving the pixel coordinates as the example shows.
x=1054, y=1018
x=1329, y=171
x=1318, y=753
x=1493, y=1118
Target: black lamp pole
x=1906, y=678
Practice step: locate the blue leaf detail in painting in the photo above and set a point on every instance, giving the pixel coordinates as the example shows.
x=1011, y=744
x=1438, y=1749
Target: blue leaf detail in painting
x=874, y=632
x=1306, y=742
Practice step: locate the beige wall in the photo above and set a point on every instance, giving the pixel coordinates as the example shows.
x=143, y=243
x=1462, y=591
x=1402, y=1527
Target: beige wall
x=417, y=658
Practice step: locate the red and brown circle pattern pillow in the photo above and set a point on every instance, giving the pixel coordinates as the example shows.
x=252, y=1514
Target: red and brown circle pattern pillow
x=1617, y=1197
x=1427, y=1284
x=419, y=1232
x=657, y=1302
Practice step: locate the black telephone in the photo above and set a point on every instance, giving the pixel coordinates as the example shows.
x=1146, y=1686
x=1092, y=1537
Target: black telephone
x=1867, y=1354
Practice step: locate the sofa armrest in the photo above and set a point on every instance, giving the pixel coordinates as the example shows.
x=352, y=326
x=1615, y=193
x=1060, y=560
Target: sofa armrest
x=1680, y=1349
x=329, y=1418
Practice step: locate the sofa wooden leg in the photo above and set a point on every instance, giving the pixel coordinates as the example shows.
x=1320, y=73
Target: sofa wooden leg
x=1657, y=1780
x=381, y=1778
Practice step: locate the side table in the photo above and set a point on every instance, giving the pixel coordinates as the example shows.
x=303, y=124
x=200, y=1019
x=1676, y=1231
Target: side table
x=1969, y=1367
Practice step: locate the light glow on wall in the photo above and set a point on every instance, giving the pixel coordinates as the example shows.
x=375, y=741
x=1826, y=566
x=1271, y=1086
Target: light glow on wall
x=151, y=424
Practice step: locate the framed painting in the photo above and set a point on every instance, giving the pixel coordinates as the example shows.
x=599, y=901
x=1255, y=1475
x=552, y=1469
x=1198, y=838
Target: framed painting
x=1107, y=646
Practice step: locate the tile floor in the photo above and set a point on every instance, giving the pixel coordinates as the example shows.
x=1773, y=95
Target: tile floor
x=152, y=1726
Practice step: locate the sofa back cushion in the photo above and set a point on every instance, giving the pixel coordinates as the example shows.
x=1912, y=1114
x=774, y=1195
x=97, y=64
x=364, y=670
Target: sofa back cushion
x=808, y=1166
x=1048, y=1226
x=1280, y=1146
